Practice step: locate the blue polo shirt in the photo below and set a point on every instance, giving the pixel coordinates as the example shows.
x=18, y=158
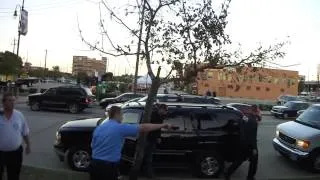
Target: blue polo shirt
x=108, y=139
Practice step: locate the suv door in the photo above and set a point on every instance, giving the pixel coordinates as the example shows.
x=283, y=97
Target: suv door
x=172, y=149
x=218, y=130
x=49, y=98
x=130, y=116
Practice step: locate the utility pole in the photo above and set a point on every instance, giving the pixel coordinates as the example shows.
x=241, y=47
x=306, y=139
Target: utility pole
x=14, y=45
x=45, y=65
x=139, y=47
x=19, y=33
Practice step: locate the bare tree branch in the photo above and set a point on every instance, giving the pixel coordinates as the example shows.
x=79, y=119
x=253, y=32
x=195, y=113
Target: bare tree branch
x=120, y=21
x=94, y=47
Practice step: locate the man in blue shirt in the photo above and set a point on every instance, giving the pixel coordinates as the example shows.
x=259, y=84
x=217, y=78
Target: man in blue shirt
x=107, y=142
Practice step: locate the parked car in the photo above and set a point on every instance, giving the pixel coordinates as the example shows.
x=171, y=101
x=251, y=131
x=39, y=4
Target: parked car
x=246, y=109
x=120, y=104
x=205, y=137
x=119, y=99
x=289, y=109
x=71, y=98
x=186, y=98
x=299, y=139
x=285, y=98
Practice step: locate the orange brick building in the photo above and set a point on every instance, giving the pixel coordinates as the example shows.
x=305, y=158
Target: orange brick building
x=259, y=83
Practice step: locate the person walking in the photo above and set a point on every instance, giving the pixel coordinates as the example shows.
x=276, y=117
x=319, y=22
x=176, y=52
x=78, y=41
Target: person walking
x=248, y=149
x=153, y=138
x=14, y=131
x=107, y=143
x=208, y=93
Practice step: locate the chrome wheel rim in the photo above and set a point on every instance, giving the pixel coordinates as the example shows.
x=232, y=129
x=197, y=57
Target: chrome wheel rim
x=316, y=163
x=209, y=166
x=81, y=159
x=73, y=108
x=35, y=106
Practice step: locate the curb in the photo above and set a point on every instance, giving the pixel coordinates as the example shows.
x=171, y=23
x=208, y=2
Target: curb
x=34, y=173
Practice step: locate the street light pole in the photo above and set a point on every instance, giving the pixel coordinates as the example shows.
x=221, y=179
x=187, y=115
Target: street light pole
x=19, y=34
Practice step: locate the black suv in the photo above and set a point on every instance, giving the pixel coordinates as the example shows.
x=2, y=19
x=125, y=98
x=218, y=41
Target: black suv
x=205, y=137
x=72, y=98
x=185, y=98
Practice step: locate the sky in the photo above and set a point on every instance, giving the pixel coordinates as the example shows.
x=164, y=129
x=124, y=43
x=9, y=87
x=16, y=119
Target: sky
x=53, y=25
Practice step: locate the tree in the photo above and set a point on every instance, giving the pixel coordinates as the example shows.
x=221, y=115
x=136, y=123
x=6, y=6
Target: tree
x=82, y=77
x=36, y=72
x=189, y=32
x=10, y=64
x=301, y=84
x=107, y=76
x=56, y=72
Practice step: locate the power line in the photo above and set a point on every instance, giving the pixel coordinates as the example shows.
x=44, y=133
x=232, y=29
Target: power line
x=47, y=6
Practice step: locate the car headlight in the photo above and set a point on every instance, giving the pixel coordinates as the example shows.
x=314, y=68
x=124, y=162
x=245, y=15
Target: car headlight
x=277, y=133
x=58, y=137
x=303, y=144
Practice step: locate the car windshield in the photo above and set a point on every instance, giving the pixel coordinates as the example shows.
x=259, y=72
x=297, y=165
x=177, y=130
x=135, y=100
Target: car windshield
x=311, y=117
x=290, y=98
x=289, y=104
x=133, y=100
x=143, y=99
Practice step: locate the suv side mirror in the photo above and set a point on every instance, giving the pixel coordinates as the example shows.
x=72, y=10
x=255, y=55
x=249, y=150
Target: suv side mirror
x=300, y=112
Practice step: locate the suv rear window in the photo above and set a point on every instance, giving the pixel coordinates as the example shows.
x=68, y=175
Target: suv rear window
x=131, y=117
x=88, y=91
x=212, y=121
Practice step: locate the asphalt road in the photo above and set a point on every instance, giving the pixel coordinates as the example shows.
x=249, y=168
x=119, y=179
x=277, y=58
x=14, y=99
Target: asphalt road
x=43, y=125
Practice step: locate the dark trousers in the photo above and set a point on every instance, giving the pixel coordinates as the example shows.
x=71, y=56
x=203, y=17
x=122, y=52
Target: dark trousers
x=12, y=161
x=102, y=170
x=246, y=154
x=148, y=157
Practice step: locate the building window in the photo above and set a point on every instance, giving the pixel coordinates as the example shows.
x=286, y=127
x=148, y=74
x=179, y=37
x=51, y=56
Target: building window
x=267, y=89
x=248, y=88
x=210, y=75
x=282, y=90
x=258, y=88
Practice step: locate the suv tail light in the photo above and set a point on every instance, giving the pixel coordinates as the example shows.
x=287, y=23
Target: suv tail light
x=87, y=100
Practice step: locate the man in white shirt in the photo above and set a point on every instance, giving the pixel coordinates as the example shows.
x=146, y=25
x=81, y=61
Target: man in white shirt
x=14, y=131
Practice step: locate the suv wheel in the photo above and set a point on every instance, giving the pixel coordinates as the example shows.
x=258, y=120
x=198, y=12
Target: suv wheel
x=74, y=108
x=35, y=106
x=285, y=116
x=209, y=165
x=315, y=163
x=79, y=159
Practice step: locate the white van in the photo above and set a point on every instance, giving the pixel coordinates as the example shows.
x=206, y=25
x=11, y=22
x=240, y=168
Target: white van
x=300, y=139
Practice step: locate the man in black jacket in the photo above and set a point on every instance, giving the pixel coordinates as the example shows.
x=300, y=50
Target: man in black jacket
x=153, y=138
x=247, y=148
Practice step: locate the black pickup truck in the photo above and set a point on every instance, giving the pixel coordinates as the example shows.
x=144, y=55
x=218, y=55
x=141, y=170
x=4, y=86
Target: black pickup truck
x=206, y=136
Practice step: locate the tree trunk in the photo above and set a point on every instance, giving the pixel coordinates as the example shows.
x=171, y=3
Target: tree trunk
x=139, y=47
x=142, y=139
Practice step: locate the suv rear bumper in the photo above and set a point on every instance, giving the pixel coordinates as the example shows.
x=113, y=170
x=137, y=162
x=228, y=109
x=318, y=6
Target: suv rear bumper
x=275, y=113
x=293, y=154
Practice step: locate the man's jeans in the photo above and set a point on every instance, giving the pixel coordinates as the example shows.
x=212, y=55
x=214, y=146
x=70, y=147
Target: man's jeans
x=148, y=158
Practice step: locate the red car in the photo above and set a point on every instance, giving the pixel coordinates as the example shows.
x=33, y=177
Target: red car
x=247, y=109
